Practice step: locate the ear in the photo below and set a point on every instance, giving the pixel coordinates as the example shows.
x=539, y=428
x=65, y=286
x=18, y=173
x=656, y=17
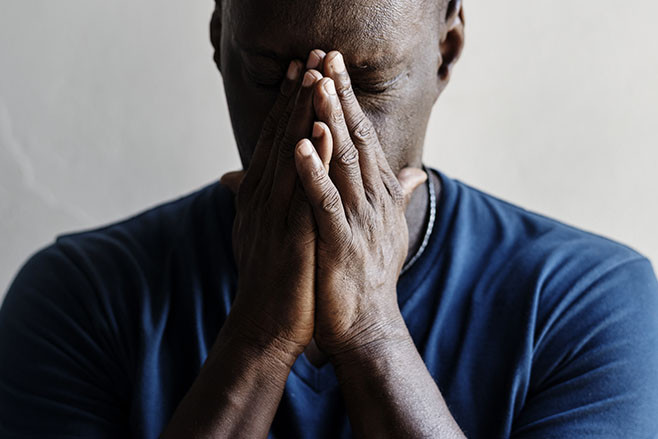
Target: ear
x=452, y=40
x=216, y=33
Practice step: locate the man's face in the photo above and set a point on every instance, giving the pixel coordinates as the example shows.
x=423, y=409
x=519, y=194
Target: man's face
x=391, y=48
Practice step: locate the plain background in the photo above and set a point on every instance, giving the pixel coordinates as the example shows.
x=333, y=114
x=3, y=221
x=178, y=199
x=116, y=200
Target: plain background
x=107, y=108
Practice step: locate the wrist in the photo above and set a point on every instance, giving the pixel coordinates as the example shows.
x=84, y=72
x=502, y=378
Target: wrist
x=255, y=339
x=372, y=340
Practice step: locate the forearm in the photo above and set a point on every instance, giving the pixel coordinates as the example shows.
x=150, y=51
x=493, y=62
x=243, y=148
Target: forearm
x=389, y=392
x=237, y=391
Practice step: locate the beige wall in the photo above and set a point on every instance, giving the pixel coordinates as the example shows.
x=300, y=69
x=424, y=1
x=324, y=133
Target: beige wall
x=110, y=107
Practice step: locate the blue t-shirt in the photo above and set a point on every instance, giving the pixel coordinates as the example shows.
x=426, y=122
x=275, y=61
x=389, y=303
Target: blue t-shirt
x=530, y=328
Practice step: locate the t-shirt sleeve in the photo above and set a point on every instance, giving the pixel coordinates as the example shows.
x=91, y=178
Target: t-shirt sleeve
x=58, y=377
x=595, y=362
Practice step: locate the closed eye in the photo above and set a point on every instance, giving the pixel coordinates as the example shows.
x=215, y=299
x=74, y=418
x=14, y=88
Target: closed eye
x=364, y=86
x=264, y=72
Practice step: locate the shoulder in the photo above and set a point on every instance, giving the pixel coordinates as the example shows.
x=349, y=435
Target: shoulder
x=546, y=249
x=589, y=309
x=109, y=270
x=90, y=263
x=149, y=237
x=78, y=314
x=560, y=270
x=559, y=264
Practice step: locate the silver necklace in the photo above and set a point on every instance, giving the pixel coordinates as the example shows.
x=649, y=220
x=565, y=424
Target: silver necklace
x=430, y=222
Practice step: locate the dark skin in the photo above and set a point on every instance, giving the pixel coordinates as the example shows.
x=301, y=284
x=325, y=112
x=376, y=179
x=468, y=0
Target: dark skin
x=332, y=188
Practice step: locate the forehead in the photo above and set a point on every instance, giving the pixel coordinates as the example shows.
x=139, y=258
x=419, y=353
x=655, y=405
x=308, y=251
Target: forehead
x=366, y=31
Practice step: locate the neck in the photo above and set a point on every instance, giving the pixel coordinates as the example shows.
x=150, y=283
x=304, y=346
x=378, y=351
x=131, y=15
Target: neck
x=417, y=214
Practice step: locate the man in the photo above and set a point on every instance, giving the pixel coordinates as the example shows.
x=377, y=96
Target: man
x=344, y=291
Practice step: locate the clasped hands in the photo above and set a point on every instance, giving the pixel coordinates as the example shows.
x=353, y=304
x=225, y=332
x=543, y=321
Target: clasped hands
x=320, y=234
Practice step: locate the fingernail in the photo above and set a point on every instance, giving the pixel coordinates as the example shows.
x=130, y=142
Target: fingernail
x=305, y=148
x=293, y=71
x=329, y=87
x=313, y=60
x=338, y=64
x=317, y=130
x=308, y=79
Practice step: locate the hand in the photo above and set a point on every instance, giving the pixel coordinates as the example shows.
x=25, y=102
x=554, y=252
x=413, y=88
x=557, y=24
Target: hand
x=274, y=232
x=359, y=208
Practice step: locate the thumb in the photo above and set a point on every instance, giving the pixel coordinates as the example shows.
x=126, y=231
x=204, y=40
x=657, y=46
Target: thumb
x=410, y=179
x=233, y=180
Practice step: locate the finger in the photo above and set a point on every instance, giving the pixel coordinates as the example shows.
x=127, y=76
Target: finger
x=270, y=167
x=409, y=179
x=321, y=193
x=300, y=123
x=232, y=180
x=259, y=159
x=299, y=126
x=345, y=170
x=360, y=128
x=284, y=119
x=323, y=143
x=316, y=60
x=300, y=218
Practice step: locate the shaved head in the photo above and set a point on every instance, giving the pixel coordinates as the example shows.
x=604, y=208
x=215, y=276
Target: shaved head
x=393, y=50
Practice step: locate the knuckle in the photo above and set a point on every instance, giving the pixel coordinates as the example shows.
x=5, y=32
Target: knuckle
x=344, y=89
x=330, y=202
x=363, y=130
x=317, y=175
x=336, y=116
x=348, y=156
